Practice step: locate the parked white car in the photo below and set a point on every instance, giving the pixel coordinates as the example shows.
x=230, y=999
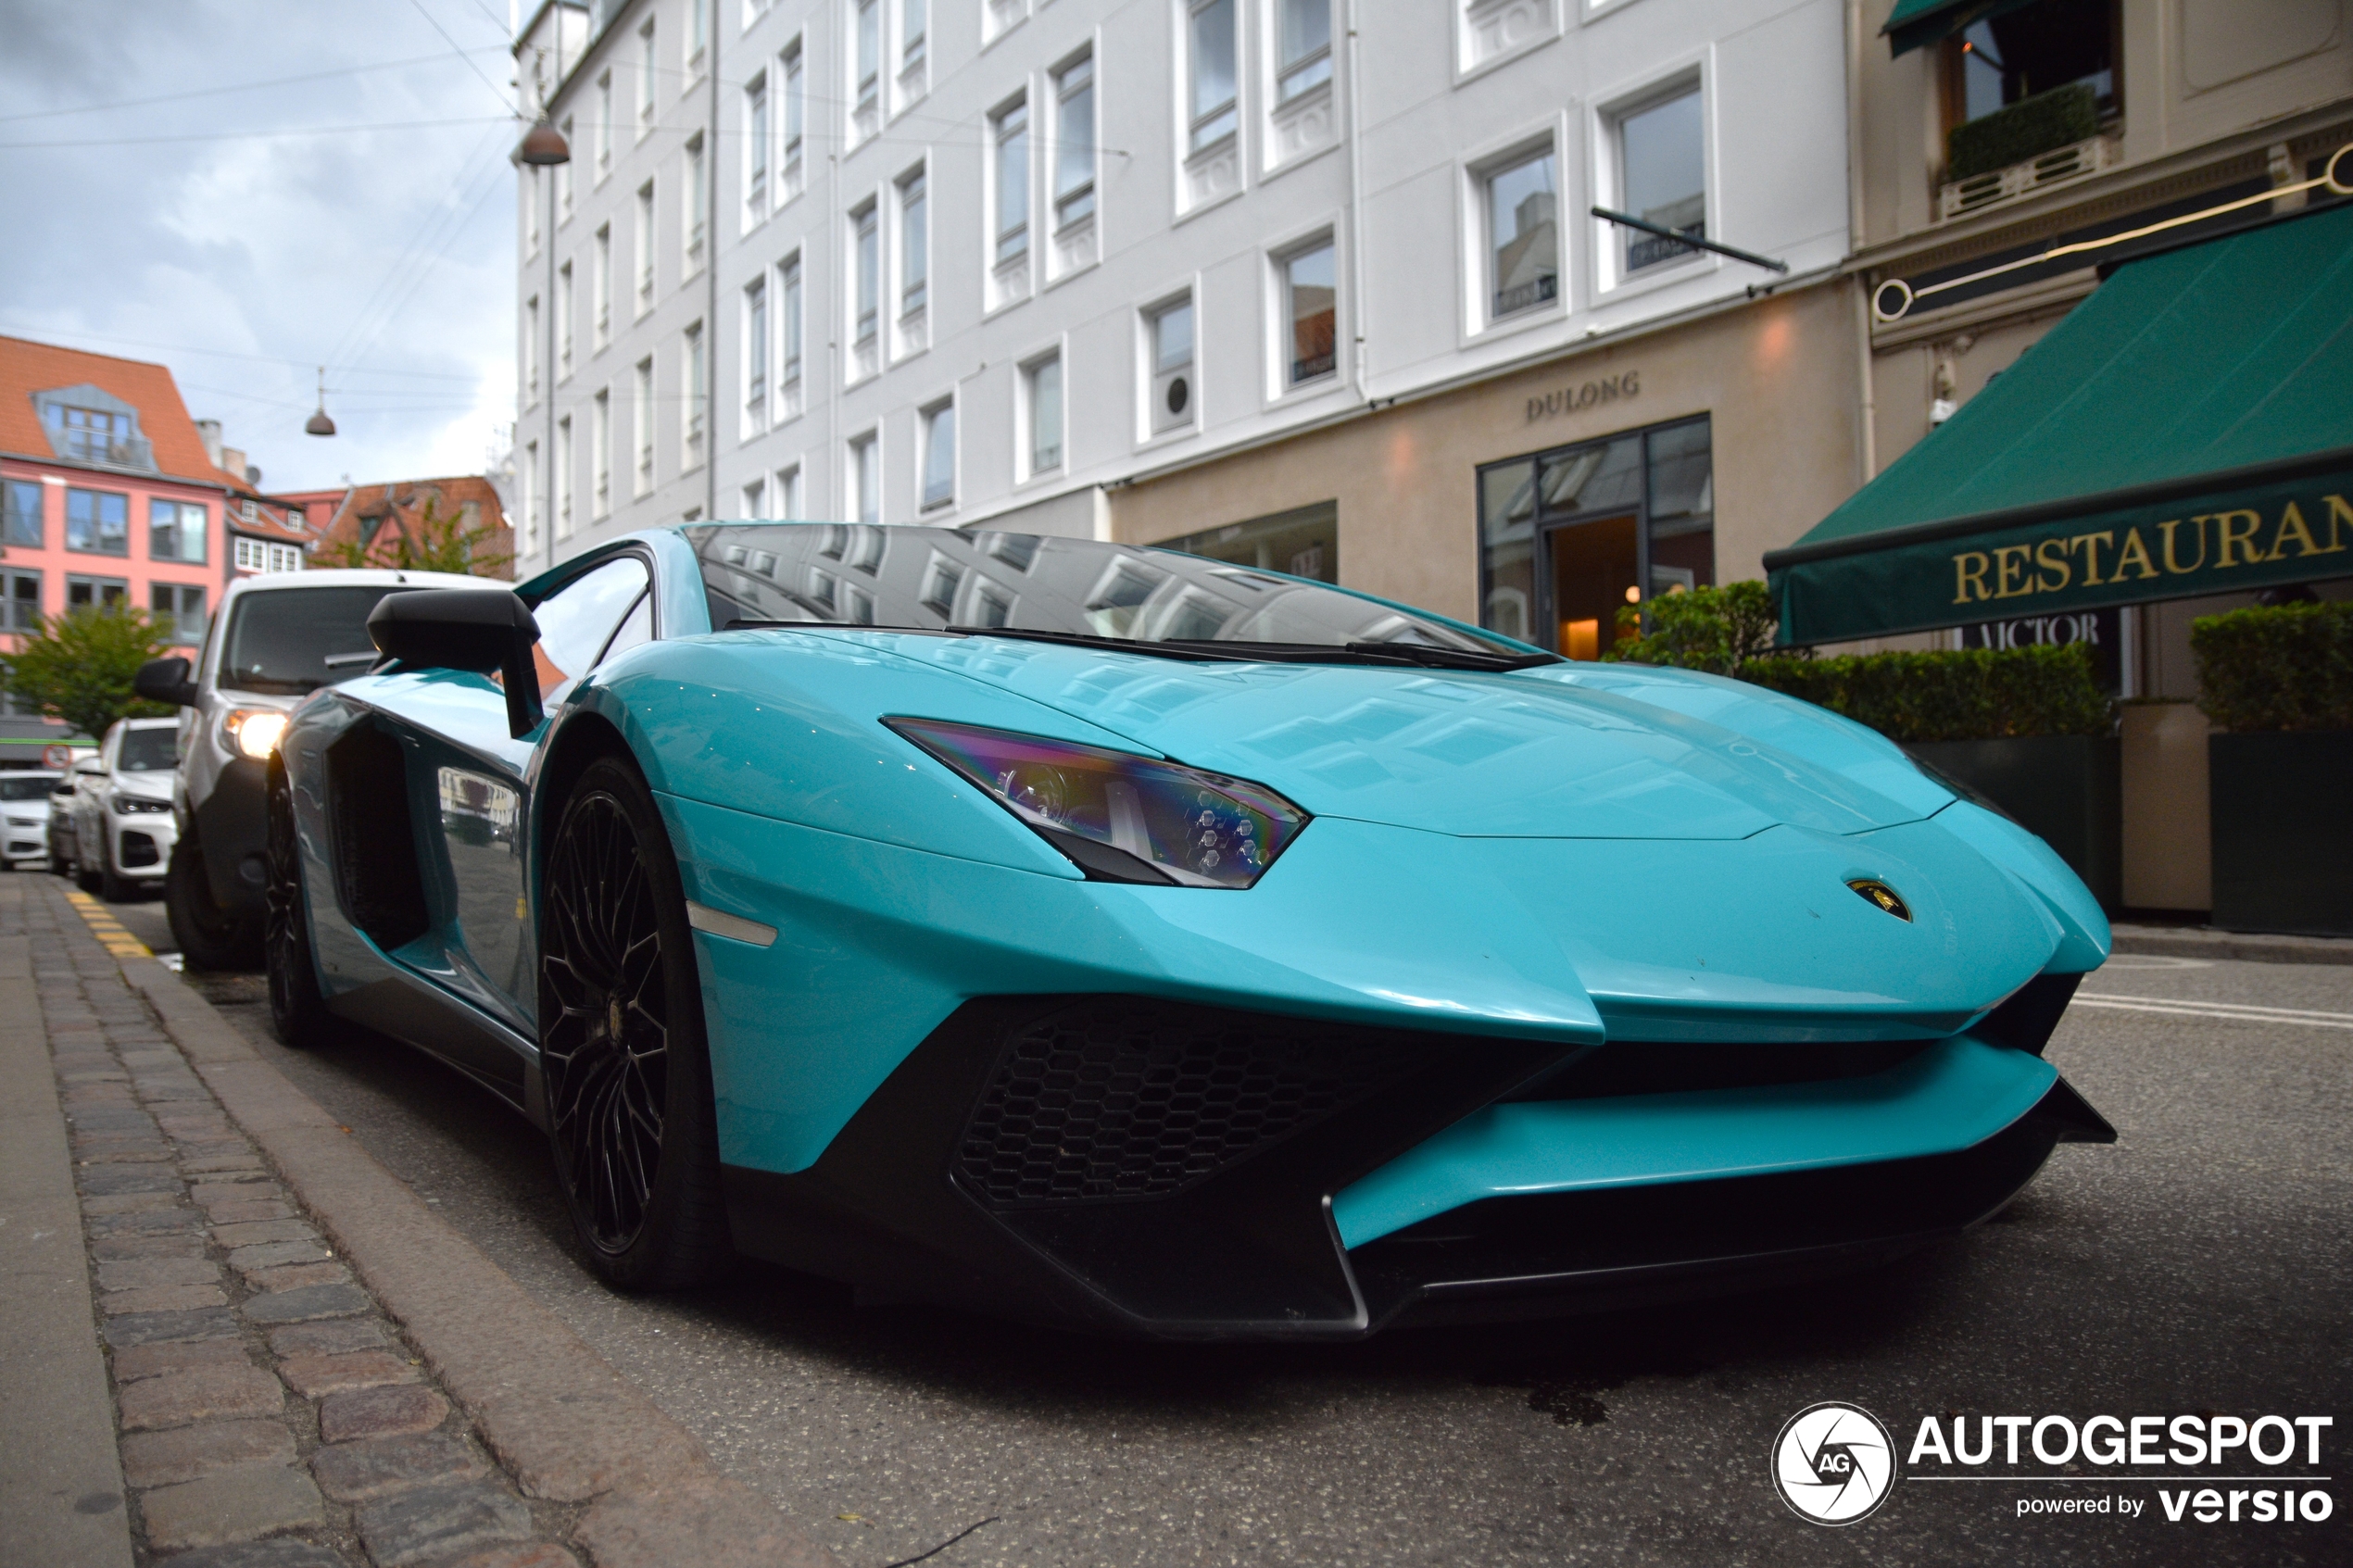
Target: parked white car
x=24, y=814
x=122, y=829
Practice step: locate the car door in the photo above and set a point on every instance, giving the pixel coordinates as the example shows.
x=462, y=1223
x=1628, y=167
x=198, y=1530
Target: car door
x=469, y=793
x=89, y=778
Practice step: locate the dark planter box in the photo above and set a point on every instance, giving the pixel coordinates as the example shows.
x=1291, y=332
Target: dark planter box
x=2067, y=790
x=2283, y=838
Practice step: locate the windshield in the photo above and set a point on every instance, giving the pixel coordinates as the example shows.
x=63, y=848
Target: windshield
x=23, y=788
x=935, y=579
x=148, y=751
x=283, y=640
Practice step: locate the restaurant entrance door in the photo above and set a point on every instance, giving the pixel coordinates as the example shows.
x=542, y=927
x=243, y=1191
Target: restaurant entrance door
x=1593, y=567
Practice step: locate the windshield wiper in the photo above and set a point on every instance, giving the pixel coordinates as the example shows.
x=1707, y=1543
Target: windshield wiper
x=1207, y=650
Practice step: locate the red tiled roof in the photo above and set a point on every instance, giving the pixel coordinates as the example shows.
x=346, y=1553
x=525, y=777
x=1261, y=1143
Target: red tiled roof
x=27, y=368
x=399, y=505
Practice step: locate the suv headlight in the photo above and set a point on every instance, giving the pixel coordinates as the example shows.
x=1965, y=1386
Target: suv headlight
x=125, y=805
x=1117, y=816
x=253, y=732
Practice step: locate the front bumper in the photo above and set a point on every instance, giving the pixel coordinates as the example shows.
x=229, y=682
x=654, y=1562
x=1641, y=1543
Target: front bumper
x=233, y=829
x=140, y=842
x=1131, y=1165
x=25, y=841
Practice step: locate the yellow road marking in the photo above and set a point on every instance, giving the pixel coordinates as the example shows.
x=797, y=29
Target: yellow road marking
x=106, y=928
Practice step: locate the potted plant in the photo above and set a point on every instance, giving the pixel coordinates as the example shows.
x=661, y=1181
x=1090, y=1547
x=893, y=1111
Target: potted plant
x=2279, y=682
x=2027, y=730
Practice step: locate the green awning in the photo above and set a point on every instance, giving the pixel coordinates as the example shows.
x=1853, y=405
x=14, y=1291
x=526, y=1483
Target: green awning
x=2186, y=430
x=1918, y=23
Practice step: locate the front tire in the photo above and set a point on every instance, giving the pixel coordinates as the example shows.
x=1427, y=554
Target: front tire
x=621, y=1040
x=209, y=937
x=297, y=1012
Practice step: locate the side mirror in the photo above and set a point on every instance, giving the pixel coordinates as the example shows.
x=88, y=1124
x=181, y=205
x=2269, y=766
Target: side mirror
x=166, y=679
x=466, y=629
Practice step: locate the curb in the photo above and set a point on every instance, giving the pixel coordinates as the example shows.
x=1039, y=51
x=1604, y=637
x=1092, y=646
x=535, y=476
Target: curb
x=559, y=1418
x=2205, y=941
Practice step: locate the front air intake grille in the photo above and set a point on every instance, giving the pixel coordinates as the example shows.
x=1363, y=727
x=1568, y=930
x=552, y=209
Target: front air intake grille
x=1128, y=1098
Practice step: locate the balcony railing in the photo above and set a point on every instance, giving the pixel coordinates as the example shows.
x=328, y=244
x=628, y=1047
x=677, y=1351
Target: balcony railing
x=1999, y=185
x=98, y=447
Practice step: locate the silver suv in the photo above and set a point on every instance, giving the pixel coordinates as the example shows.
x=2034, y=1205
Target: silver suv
x=276, y=639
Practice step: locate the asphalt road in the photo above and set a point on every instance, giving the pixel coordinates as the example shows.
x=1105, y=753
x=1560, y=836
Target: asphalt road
x=2199, y=1265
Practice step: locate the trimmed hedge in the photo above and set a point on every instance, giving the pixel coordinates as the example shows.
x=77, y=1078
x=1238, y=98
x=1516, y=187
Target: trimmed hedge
x=2029, y=128
x=1966, y=693
x=2284, y=667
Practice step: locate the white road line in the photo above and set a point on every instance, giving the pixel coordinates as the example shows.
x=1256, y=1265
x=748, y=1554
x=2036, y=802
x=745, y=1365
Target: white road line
x=2237, y=1013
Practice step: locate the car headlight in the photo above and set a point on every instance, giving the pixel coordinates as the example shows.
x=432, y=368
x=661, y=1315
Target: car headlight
x=1117, y=816
x=256, y=732
x=125, y=805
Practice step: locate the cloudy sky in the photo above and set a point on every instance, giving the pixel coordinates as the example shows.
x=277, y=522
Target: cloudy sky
x=244, y=190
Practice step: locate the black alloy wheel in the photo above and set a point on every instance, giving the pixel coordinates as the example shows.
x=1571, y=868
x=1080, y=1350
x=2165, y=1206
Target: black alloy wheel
x=209, y=937
x=297, y=1012
x=621, y=1047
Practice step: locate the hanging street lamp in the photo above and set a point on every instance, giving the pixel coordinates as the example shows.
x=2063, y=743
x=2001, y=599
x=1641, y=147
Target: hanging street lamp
x=319, y=423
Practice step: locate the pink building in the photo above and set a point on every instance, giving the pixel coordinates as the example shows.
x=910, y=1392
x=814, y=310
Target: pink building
x=107, y=494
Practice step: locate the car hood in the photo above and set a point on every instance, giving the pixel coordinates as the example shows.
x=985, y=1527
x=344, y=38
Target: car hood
x=1561, y=751
x=144, y=786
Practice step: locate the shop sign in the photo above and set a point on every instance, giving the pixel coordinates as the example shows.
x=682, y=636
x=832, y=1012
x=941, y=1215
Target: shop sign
x=1587, y=395
x=2240, y=540
x=2100, y=630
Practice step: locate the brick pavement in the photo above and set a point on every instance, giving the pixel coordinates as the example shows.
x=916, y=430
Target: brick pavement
x=271, y=1414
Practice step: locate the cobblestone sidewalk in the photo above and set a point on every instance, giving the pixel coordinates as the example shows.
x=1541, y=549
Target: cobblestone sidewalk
x=269, y=1413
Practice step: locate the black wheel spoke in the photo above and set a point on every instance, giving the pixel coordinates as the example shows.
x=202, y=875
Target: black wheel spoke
x=604, y=1033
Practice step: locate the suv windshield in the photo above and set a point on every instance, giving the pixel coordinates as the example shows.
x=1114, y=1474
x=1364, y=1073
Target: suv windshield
x=148, y=751
x=23, y=788
x=937, y=579
x=282, y=641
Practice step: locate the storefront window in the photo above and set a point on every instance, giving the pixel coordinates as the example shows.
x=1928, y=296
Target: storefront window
x=1568, y=537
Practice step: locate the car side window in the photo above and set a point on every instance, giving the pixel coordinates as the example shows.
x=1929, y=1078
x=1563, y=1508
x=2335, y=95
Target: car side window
x=637, y=627
x=579, y=618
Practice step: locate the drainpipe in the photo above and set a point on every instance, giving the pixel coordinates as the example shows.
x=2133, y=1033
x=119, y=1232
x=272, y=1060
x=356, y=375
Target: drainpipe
x=548, y=363
x=1867, y=449
x=1358, y=371
x=710, y=266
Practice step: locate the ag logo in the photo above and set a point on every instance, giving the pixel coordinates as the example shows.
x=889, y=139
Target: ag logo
x=1833, y=1463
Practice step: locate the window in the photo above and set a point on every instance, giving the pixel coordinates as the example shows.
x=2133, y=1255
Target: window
x=1170, y=330
x=21, y=606
x=531, y=350
x=796, y=117
x=604, y=125
x=1569, y=537
x=786, y=494
x=914, y=263
x=865, y=481
x=868, y=263
x=1012, y=136
x=1523, y=237
x=645, y=247
x=756, y=357
x=756, y=150
x=175, y=530
x=2063, y=45
x=694, y=400
x=96, y=592
x=697, y=206
x=1044, y=380
x=913, y=17
x=285, y=557
x=90, y=436
x=1210, y=59
x=1074, y=142
x=698, y=34
x=641, y=423
x=756, y=500
x=20, y=507
x=601, y=451
x=564, y=477
x=252, y=554
x=939, y=456
x=563, y=171
x=868, y=65
x=530, y=479
x=98, y=522
x=578, y=621
x=1303, y=46
x=646, y=73
x=563, y=320
x=1663, y=173
x=530, y=217
x=789, y=373
x=179, y=611
x=600, y=298
x=1310, y=299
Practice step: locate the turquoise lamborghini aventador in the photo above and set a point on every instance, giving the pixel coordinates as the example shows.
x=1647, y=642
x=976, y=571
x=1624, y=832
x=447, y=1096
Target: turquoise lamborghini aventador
x=1144, y=942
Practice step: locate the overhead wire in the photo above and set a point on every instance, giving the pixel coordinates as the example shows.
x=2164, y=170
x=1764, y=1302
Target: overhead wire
x=236, y=87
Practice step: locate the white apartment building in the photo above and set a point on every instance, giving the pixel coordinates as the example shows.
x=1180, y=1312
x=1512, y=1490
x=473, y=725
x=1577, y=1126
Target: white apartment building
x=1308, y=283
